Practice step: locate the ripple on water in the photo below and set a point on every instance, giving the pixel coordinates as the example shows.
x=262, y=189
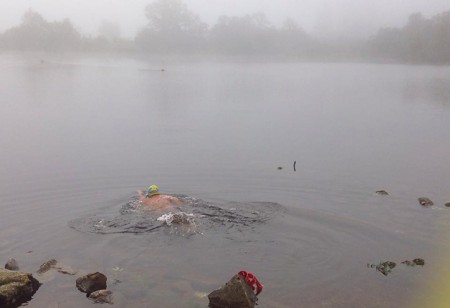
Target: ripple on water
x=295, y=251
x=195, y=216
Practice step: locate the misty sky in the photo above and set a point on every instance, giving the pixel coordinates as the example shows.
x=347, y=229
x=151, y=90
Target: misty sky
x=348, y=18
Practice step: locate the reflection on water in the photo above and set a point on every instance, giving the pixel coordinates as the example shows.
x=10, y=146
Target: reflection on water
x=435, y=91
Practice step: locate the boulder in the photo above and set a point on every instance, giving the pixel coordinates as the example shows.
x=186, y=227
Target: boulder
x=91, y=282
x=16, y=288
x=101, y=296
x=12, y=265
x=234, y=294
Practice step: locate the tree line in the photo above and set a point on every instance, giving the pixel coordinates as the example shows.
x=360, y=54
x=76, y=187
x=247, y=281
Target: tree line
x=173, y=29
x=421, y=40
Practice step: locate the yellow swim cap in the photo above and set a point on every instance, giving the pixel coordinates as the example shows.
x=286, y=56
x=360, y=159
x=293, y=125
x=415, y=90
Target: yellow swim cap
x=152, y=190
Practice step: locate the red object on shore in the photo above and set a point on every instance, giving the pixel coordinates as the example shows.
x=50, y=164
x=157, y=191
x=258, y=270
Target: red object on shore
x=251, y=280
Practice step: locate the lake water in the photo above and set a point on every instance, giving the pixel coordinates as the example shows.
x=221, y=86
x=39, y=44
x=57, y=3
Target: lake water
x=79, y=136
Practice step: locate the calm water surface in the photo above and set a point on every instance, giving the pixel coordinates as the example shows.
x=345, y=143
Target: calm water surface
x=80, y=135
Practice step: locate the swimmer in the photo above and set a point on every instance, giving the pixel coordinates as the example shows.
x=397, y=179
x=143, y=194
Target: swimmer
x=152, y=199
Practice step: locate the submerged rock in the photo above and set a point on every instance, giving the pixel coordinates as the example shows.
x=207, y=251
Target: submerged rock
x=384, y=267
x=101, y=297
x=16, y=288
x=234, y=294
x=424, y=201
x=12, y=265
x=91, y=282
x=419, y=261
x=382, y=193
x=64, y=269
x=46, y=266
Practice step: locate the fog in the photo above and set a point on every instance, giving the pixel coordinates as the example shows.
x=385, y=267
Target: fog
x=255, y=30
x=321, y=18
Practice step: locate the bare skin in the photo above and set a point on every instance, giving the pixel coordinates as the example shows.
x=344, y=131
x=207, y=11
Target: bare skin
x=158, y=202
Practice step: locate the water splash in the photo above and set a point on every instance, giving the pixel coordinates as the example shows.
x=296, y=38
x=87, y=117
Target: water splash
x=195, y=216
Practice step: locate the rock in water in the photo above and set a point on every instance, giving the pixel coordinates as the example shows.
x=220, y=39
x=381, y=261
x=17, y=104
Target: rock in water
x=16, y=288
x=424, y=201
x=234, y=294
x=382, y=193
x=447, y=204
x=91, y=282
x=101, y=296
x=45, y=267
x=12, y=265
x=417, y=261
x=65, y=270
x=384, y=267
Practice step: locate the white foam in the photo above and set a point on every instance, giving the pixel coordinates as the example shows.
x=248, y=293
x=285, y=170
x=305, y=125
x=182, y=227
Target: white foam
x=179, y=217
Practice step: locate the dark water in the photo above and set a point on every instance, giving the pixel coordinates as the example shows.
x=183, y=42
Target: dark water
x=80, y=135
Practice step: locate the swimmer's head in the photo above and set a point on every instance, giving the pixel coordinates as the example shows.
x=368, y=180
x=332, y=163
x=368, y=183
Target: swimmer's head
x=152, y=190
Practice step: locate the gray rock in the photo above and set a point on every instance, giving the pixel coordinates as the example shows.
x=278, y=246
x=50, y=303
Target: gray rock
x=16, y=288
x=101, y=296
x=424, y=201
x=234, y=294
x=12, y=265
x=91, y=282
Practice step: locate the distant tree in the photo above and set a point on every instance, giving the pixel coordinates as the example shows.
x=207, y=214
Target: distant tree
x=439, y=45
x=421, y=40
x=416, y=36
x=171, y=27
x=109, y=30
x=389, y=43
x=247, y=35
x=35, y=33
x=293, y=40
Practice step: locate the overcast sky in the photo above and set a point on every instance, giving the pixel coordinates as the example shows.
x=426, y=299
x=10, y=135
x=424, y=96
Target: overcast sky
x=348, y=18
